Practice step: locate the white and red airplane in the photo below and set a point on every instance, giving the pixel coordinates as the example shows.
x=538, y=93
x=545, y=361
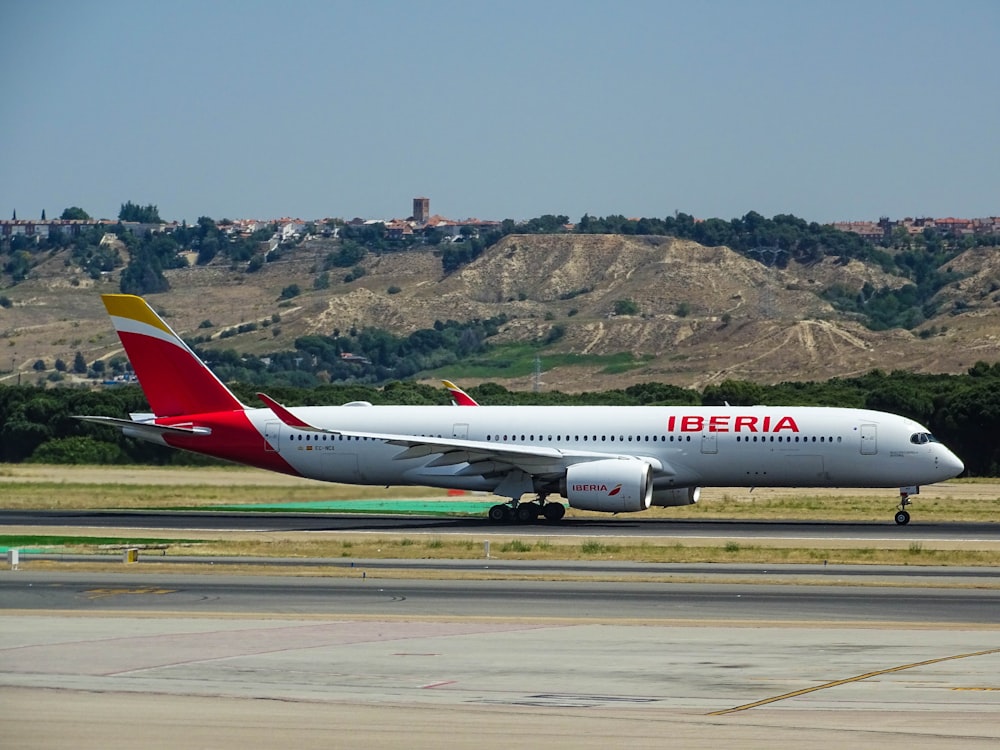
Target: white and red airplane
x=458, y=396
x=601, y=458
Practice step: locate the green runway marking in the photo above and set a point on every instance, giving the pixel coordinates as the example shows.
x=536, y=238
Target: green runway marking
x=422, y=507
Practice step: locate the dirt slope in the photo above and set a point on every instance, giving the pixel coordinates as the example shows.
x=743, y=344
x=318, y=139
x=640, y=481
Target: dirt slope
x=703, y=314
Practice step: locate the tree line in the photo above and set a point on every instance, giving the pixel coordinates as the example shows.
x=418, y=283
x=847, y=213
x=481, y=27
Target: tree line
x=963, y=411
x=368, y=355
x=148, y=253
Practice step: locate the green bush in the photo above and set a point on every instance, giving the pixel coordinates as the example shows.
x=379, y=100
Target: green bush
x=76, y=450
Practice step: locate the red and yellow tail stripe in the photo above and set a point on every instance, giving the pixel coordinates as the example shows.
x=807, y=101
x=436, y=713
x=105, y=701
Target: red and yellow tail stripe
x=458, y=396
x=174, y=380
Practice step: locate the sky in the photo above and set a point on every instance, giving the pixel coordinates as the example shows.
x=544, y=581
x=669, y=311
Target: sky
x=831, y=111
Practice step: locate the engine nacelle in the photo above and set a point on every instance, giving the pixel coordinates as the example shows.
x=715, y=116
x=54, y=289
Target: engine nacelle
x=611, y=485
x=679, y=496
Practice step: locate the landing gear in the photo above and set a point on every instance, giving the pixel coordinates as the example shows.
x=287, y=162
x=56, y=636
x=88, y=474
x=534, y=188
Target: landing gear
x=527, y=512
x=902, y=515
x=518, y=512
x=554, y=511
x=500, y=514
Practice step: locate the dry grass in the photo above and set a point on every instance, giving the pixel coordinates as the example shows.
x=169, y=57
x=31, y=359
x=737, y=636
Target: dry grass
x=620, y=550
x=353, y=553
x=45, y=487
x=33, y=487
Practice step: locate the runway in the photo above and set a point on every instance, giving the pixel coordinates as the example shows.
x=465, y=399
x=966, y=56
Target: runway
x=383, y=596
x=159, y=659
x=986, y=533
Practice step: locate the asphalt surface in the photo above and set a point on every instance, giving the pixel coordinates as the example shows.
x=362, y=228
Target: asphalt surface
x=585, y=654
x=611, y=526
x=167, y=659
x=380, y=596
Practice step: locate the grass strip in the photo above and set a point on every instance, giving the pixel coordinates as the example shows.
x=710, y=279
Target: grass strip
x=18, y=541
x=528, y=549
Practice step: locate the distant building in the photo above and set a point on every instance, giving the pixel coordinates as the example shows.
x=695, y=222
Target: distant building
x=397, y=229
x=870, y=230
x=421, y=210
x=46, y=228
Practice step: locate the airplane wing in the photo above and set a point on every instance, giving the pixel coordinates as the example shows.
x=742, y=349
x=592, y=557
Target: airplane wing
x=482, y=457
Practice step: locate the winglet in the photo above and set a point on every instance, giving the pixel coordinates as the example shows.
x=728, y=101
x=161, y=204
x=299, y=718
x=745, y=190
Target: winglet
x=458, y=396
x=286, y=416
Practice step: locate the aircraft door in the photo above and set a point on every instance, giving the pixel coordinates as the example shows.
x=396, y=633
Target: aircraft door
x=460, y=431
x=272, y=437
x=709, y=443
x=869, y=441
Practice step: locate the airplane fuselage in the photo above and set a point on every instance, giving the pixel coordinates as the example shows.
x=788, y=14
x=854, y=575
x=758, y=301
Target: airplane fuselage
x=703, y=446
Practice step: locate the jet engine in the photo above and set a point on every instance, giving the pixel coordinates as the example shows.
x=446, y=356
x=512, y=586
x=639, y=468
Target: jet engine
x=678, y=496
x=610, y=485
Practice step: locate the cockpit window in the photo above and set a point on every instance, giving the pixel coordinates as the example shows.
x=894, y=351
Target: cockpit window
x=919, y=438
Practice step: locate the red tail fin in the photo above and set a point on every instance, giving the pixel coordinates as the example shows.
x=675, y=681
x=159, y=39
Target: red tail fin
x=174, y=380
x=458, y=396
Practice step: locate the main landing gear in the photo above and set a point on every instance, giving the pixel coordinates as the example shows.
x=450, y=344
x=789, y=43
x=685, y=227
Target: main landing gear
x=902, y=515
x=518, y=512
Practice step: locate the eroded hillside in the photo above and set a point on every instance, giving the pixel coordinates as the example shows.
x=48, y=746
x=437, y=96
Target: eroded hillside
x=692, y=314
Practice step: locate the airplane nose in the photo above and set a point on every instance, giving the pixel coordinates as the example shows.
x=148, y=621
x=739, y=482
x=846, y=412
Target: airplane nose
x=952, y=463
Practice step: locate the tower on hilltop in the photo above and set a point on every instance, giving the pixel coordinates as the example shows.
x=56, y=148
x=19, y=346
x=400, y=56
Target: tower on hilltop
x=421, y=210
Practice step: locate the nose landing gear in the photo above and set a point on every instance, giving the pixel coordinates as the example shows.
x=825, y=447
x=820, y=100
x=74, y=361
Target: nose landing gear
x=902, y=515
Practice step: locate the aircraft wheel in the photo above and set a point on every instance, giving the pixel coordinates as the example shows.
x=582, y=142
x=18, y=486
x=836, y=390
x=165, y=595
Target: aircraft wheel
x=526, y=512
x=554, y=511
x=499, y=514
x=902, y=518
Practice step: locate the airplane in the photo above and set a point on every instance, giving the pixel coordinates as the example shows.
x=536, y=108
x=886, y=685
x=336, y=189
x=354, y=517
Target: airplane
x=613, y=459
x=458, y=396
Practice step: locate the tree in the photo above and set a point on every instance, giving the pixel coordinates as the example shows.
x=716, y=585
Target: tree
x=143, y=275
x=350, y=253
x=75, y=213
x=76, y=450
x=143, y=214
x=733, y=392
x=20, y=262
x=79, y=364
x=43, y=214
x=626, y=307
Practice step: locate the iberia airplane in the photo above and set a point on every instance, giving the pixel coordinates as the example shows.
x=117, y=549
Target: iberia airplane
x=601, y=458
x=458, y=396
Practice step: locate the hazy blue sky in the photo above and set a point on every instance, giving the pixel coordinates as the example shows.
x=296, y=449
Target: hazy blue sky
x=828, y=110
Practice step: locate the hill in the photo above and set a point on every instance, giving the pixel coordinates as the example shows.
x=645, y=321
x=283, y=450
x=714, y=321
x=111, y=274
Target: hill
x=601, y=311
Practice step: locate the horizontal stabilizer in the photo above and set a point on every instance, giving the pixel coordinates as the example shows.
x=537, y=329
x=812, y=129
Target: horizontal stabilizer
x=148, y=429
